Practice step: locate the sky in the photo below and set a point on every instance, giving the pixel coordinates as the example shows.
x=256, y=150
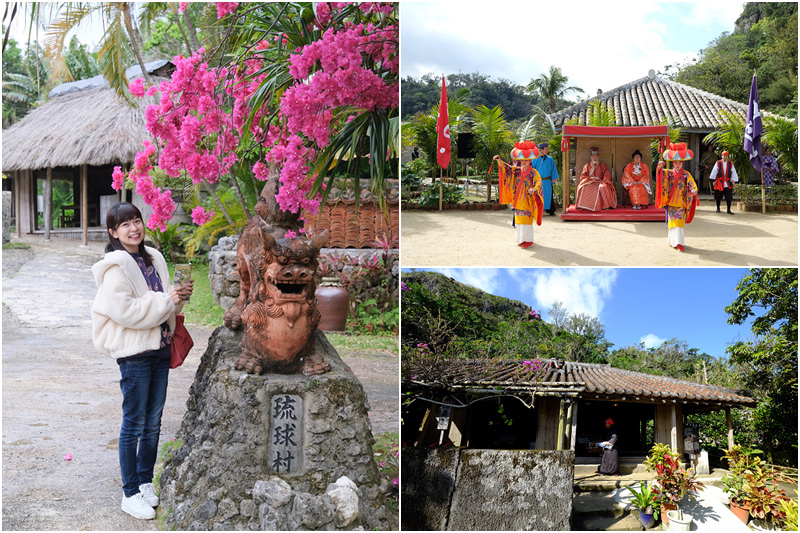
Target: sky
x=597, y=45
x=636, y=305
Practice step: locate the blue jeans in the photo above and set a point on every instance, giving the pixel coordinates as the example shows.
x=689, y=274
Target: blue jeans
x=144, y=392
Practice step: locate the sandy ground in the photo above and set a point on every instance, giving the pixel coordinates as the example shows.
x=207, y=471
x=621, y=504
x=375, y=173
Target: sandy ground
x=486, y=238
x=61, y=397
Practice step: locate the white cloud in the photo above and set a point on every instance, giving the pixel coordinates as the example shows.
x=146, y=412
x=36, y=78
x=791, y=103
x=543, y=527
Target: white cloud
x=581, y=290
x=652, y=341
x=603, y=47
x=485, y=279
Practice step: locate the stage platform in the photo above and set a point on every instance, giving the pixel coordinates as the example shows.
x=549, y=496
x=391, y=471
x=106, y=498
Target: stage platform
x=620, y=213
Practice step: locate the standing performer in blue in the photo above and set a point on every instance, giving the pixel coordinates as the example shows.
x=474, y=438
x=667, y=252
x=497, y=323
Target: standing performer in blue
x=548, y=170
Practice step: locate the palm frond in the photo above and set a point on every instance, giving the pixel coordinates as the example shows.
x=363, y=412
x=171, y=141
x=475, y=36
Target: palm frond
x=56, y=36
x=111, y=57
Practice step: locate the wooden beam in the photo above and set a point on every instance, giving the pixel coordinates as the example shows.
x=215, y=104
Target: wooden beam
x=673, y=436
x=84, y=186
x=17, y=182
x=423, y=427
x=729, y=422
x=561, y=424
x=573, y=408
x=565, y=178
x=47, y=199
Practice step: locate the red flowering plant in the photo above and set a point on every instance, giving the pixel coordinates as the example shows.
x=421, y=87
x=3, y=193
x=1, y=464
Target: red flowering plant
x=297, y=91
x=674, y=481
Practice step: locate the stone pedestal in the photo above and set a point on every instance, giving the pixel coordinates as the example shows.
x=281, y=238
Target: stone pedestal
x=267, y=452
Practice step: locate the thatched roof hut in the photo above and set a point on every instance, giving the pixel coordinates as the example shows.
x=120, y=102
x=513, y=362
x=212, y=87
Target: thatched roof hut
x=83, y=123
x=77, y=136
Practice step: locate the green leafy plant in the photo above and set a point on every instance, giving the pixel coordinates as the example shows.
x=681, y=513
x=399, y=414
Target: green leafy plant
x=789, y=509
x=645, y=498
x=733, y=486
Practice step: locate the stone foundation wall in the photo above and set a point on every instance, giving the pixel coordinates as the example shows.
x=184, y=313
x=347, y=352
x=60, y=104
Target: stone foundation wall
x=491, y=490
x=224, y=276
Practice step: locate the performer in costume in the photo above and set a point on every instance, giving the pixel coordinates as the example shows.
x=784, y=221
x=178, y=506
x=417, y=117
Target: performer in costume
x=522, y=188
x=595, y=190
x=769, y=165
x=610, y=463
x=677, y=192
x=547, y=169
x=723, y=175
x=636, y=180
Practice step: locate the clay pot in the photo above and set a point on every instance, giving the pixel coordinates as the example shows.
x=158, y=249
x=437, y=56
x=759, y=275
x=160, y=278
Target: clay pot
x=497, y=207
x=665, y=507
x=462, y=207
x=741, y=510
x=333, y=303
x=479, y=206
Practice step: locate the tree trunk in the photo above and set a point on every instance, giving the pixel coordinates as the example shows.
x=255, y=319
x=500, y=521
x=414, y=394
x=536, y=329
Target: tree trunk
x=136, y=39
x=219, y=203
x=189, y=48
x=187, y=22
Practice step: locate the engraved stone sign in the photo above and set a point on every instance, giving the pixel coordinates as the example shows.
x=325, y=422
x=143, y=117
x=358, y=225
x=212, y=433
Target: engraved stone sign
x=286, y=440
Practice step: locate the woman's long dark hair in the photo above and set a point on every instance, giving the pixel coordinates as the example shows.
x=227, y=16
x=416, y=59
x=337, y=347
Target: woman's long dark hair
x=123, y=212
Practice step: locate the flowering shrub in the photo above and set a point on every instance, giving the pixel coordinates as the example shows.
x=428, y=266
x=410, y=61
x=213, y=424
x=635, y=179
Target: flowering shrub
x=288, y=100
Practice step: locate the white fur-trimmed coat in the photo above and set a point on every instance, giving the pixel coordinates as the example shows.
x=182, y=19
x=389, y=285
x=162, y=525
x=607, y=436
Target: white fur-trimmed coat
x=126, y=314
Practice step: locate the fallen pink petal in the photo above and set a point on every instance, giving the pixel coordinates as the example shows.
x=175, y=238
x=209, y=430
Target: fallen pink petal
x=68, y=457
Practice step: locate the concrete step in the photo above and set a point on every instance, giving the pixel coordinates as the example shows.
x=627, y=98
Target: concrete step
x=628, y=522
x=624, y=469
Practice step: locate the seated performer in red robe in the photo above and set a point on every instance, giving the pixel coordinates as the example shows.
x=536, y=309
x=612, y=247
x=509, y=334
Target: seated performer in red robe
x=636, y=180
x=595, y=190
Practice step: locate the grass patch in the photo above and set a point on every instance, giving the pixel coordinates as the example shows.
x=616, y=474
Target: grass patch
x=344, y=342
x=201, y=309
x=387, y=456
x=16, y=246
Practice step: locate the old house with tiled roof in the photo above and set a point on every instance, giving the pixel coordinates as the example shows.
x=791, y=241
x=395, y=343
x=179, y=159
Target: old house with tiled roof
x=558, y=405
x=649, y=100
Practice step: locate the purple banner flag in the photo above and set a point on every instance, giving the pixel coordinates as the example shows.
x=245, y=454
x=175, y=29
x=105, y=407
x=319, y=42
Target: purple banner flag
x=754, y=129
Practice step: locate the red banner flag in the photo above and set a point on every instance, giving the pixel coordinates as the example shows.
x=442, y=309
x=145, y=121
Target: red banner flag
x=443, y=131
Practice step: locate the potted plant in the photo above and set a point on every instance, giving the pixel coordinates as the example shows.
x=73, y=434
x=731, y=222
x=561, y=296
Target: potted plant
x=674, y=481
x=764, y=498
x=644, y=501
x=733, y=486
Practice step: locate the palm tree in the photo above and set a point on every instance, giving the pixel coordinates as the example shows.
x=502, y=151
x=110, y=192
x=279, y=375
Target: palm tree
x=539, y=127
x=780, y=133
x=552, y=87
x=492, y=135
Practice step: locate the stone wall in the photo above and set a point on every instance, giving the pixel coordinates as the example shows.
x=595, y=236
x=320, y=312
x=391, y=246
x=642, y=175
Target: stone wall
x=231, y=469
x=224, y=276
x=492, y=490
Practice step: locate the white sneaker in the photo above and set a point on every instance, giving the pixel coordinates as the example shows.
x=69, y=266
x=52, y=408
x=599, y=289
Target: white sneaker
x=137, y=507
x=149, y=493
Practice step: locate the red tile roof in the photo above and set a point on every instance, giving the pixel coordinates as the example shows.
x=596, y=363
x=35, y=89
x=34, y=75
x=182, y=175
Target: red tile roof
x=579, y=379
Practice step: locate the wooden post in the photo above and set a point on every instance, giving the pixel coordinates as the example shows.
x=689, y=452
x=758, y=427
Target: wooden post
x=572, y=436
x=729, y=422
x=440, y=188
x=763, y=194
x=47, y=200
x=673, y=436
x=561, y=423
x=85, y=203
x=17, y=182
x=423, y=427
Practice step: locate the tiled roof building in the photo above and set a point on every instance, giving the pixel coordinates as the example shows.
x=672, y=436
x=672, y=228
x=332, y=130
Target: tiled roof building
x=554, y=404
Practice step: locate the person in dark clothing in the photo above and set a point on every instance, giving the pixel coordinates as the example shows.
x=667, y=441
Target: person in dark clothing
x=610, y=463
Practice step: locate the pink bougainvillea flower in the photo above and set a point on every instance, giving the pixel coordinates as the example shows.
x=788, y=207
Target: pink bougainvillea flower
x=289, y=234
x=136, y=87
x=200, y=216
x=182, y=7
x=396, y=481
x=117, y=178
x=68, y=457
x=226, y=8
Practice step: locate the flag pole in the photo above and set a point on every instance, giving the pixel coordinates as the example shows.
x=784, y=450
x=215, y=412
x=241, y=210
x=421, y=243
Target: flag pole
x=440, y=187
x=763, y=191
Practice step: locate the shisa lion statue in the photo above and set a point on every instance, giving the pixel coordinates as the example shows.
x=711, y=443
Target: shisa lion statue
x=276, y=306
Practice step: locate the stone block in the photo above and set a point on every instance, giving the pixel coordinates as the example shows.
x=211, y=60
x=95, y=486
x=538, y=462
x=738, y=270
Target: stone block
x=311, y=511
x=6, y=216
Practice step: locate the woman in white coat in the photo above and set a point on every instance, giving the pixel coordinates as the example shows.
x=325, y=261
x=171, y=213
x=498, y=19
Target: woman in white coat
x=133, y=317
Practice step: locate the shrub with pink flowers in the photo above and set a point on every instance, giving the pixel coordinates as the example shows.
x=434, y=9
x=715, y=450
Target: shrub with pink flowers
x=302, y=87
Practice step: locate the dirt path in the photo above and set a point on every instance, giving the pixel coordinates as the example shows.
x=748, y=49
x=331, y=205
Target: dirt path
x=486, y=238
x=61, y=397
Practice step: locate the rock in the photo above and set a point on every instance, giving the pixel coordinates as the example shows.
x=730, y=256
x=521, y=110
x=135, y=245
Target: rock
x=311, y=511
x=345, y=500
x=275, y=492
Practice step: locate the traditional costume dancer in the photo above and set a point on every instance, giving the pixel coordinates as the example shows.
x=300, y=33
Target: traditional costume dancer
x=677, y=192
x=521, y=187
x=724, y=176
x=547, y=169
